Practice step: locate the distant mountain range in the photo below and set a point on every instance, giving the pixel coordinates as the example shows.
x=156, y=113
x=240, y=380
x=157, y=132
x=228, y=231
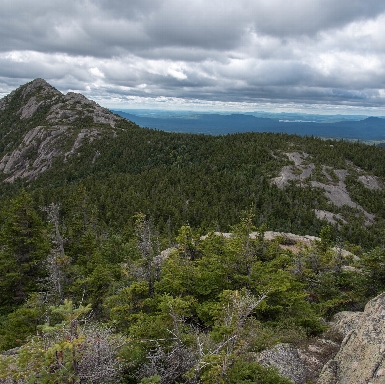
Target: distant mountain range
x=338, y=127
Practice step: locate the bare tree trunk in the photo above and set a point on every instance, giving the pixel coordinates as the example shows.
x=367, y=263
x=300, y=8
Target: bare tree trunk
x=56, y=260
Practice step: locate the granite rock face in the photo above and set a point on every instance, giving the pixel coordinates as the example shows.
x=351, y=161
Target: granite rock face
x=361, y=358
x=345, y=322
x=39, y=147
x=36, y=95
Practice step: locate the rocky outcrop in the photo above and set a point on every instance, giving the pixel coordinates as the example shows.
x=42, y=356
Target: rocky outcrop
x=339, y=195
x=271, y=235
x=370, y=182
x=39, y=147
x=34, y=154
x=287, y=360
x=288, y=237
x=303, y=173
x=297, y=173
x=35, y=95
x=330, y=217
x=289, y=241
x=361, y=358
x=345, y=322
x=4, y=103
x=41, y=87
x=300, y=365
x=91, y=134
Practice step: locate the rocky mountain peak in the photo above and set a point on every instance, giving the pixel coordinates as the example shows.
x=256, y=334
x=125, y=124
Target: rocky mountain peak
x=39, y=86
x=38, y=123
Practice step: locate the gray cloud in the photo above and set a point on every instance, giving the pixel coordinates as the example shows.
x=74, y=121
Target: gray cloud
x=295, y=17
x=319, y=51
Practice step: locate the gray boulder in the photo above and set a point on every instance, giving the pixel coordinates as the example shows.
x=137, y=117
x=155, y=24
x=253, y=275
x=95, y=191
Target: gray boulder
x=361, y=358
x=287, y=360
x=300, y=365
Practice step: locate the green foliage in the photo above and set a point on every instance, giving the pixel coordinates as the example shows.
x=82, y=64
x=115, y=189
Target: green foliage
x=204, y=181
x=151, y=380
x=326, y=236
x=250, y=373
x=331, y=287
x=372, y=265
x=214, y=302
x=18, y=325
x=24, y=246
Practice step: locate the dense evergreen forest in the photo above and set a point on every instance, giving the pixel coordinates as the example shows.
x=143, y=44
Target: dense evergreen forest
x=107, y=274
x=206, y=181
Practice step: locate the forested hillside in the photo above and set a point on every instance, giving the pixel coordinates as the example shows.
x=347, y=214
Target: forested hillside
x=107, y=272
x=52, y=145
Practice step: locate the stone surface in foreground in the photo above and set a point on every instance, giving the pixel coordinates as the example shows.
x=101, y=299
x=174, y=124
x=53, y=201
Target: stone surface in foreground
x=361, y=358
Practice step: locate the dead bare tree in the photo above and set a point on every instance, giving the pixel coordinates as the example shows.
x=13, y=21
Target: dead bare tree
x=185, y=362
x=235, y=312
x=148, y=245
x=56, y=261
x=173, y=361
x=99, y=362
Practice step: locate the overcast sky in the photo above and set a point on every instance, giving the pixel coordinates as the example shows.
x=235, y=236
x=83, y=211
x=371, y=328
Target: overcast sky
x=310, y=55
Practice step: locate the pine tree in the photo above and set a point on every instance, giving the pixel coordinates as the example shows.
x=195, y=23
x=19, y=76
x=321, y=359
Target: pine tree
x=24, y=246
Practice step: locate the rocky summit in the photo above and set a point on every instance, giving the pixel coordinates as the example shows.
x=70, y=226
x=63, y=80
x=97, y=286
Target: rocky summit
x=38, y=124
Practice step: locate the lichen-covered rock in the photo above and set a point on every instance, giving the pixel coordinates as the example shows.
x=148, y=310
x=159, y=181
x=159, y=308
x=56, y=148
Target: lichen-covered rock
x=361, y=358
x=344, y=322
x=40, y=86
x=370, y=182
x=75, y=106
x=91, y=134
x=286, y=359
x=35, y=95
x=300, y=365
x=302, y=173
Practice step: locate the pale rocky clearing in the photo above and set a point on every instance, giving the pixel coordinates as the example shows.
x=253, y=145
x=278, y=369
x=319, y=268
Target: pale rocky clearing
x=336, y=192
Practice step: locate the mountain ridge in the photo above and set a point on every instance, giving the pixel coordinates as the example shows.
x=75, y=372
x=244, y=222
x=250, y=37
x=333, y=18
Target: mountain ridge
x=59, y=131
x=371, y=128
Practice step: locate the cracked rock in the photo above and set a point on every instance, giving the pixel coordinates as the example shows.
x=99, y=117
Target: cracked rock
x=361, y=358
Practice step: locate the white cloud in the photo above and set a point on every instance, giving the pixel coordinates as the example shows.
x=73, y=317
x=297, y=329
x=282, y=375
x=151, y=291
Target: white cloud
x=96, y=72
x=178, y=74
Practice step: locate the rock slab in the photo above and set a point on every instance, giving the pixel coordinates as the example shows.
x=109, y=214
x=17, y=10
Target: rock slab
x=361, y=358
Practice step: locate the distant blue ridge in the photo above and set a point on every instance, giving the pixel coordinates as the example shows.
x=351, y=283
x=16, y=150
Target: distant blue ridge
x=364, y=129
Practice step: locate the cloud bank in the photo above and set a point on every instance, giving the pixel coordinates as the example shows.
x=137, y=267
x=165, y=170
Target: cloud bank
x=249, y=52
